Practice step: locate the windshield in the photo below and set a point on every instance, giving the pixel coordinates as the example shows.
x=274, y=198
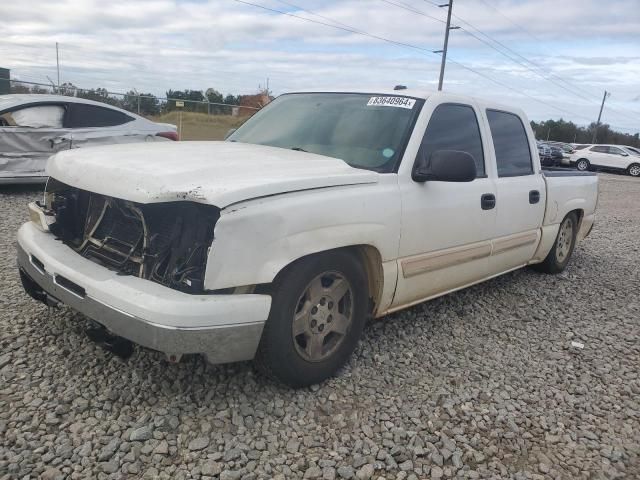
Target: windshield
x=632, y=150
x=366, y=131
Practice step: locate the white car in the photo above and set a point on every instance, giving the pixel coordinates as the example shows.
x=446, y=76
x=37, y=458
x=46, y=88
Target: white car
x=606, y=157
x=322, y=210
x=33, y=127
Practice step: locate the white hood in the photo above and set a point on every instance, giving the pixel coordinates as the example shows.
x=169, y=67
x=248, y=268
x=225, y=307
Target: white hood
x=215, y=173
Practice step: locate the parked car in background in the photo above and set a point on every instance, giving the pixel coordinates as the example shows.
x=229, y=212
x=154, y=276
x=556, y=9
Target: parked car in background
x=319, y=212
x=544, y=152
x=567, y=148
x=606, y=157
x=551, y=153
x=34, y=127
x=557, y=154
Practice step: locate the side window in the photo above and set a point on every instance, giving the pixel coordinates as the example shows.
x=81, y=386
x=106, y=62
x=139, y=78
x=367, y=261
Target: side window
x=511, y=144
x=615, y=151
x=454, y=127
x=85, y=116
x=599, y=149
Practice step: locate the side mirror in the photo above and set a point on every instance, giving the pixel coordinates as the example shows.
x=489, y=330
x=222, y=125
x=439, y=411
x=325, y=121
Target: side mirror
x=625, y=154
x=230, y=132
x=445, y=166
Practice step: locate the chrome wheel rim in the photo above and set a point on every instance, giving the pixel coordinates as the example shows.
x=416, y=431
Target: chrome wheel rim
x=634, y=171
x=582, y=165
x=565, y=239
x=323, y=316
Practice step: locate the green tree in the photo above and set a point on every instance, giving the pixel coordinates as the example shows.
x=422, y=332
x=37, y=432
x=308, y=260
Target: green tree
x=146, y=102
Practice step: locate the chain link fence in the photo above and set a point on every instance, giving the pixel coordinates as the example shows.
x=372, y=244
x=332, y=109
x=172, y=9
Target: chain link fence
x=195, y=119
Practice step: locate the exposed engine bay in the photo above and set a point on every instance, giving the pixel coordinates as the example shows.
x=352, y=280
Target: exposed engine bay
x=166, y=243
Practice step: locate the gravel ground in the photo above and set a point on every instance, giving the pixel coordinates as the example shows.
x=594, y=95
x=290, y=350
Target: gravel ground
x=483, y=383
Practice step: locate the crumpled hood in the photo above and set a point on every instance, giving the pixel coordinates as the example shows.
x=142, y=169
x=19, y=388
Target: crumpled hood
x=215, y=173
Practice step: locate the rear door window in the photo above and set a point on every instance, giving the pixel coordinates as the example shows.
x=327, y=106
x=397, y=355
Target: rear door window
x=599, y=149
x=511, y=144
x=454, y=127
x=615, y=151
x=87, y=116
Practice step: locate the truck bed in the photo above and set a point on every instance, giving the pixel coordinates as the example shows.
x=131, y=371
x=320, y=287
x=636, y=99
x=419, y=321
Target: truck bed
x=569, y=190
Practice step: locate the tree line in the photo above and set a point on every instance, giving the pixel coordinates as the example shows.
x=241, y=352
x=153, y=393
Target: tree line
x=569, y=132
x=147, y=103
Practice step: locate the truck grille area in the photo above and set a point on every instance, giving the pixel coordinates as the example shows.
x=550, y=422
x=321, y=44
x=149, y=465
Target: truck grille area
x=166, y=243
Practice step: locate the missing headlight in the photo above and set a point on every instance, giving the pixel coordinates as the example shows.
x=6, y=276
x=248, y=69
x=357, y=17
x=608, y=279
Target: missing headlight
x=166, y=243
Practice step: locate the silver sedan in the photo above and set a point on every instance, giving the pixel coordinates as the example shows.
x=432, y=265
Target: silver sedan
x=33, y=127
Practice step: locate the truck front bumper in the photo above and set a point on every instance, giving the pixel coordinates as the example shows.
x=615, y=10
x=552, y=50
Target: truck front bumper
x=224, y=328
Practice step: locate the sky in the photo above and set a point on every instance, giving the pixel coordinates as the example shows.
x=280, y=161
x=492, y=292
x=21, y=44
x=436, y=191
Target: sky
x=552, y=58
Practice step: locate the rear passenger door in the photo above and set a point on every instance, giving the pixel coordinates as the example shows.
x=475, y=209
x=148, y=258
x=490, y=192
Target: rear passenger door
x=95, y=125
x=598, y=155
x=521, y=195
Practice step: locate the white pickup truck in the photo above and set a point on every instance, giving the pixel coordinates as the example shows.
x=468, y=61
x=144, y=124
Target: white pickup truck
x=322, y=210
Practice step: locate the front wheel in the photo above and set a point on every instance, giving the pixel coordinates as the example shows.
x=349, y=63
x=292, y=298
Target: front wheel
x=319, y=308
x=583, y=165
x=558, y=258
x=634, y=170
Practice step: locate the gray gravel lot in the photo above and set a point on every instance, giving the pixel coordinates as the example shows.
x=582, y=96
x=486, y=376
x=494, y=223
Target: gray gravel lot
x=482, y=383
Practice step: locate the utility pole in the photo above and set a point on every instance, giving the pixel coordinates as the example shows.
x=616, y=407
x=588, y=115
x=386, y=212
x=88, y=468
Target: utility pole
x=58, y=65
x=446, y=42
x=595, y=130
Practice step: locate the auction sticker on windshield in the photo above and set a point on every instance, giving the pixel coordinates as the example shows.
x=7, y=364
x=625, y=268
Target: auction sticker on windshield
x=402, y=102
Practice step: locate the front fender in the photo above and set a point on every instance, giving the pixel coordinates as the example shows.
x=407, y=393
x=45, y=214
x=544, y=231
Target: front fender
x=255, y=240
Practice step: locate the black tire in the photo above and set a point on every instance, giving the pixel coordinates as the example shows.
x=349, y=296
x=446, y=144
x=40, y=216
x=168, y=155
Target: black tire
x=583, y=165
x=634, y=170
x=554, y=262
x=280, y=353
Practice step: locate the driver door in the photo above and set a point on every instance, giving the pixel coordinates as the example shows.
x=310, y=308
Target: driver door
x=447, y=227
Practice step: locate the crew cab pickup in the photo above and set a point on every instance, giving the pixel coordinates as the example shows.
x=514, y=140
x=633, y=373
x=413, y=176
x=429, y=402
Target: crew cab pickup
x=322, y=210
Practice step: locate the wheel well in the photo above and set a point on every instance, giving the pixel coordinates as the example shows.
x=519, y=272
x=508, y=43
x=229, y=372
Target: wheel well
x=371, y=260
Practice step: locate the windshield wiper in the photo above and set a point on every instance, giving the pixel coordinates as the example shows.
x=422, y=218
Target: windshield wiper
x=298, y=149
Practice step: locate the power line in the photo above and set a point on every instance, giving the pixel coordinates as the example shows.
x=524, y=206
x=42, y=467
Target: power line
x=406, y=45
x=343, y=28
x=411, y=9
x=289, y=4
x=520, y=27
x=543, y=72
x=506, y=55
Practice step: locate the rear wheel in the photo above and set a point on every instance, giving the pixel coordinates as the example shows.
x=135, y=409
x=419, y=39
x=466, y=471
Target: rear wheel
x=318, y=311
x=560, y=254
x=634, y=170
x=583, y=164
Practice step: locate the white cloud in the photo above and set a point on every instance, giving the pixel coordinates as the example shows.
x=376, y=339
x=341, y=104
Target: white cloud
x=154, y=45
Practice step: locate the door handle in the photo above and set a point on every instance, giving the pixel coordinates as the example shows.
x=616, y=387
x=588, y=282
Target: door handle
x=488, y=201
x=534, y=196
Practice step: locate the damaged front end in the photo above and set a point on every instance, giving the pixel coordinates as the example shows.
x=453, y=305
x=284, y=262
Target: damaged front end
x=167, y=243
